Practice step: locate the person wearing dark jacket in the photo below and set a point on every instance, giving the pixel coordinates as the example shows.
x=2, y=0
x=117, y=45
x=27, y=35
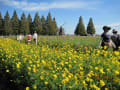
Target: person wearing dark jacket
x=115, y=39
x=106, y=38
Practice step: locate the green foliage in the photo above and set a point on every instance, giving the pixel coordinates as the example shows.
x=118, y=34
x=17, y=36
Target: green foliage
x=90, y=27
x=1, y=25
x=55, y=28
x=24, y=26
x=51, y=24
x=15, y=24
x=37, y=25
x=80, y=29
x=61, y=67
x=7, y=24
x=44, y=27
x=30, y=22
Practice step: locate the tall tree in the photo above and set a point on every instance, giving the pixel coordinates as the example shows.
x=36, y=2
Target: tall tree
x=44, y=27
x=7, y=24
x=15, y=24
x=1, y=25
x=49, y=24
x=30, y=22
x=37, y=25
x=55, y=28
x=43, y=20
x=24, y=26
x=90, y=27
x=80, y=29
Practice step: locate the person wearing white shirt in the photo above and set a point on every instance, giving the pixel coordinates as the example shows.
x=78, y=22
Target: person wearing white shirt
x=35, y=37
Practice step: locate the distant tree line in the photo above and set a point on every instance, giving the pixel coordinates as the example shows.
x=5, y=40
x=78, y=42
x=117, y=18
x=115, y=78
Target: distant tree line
x=25, y=25
x=80, y=28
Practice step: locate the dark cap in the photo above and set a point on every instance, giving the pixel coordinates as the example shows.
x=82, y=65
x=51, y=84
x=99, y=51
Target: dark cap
x=114, y=31
x=106, y=28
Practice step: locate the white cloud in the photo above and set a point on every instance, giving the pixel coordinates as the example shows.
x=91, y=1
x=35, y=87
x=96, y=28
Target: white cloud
x=32, y=6
x=116, y=24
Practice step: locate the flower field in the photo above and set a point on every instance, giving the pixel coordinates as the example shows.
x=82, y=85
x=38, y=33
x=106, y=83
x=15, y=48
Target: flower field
x=59, y=65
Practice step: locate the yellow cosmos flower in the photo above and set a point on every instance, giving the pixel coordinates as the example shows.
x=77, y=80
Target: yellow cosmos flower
x=108, y=69
x=63, y=75
x=70, y=65
x=76, y=82
x=96, y=68
x=95, y=87
x=63, y=81
x=7, y=70
x=102, y=83
x=27, y=88
x=69, y=58
x=34, y=86
x=105, y=47
x=70, y=86
x=34, y=70
x=116, y=72
x=106, y=89
x=66, y=62
x=75, y=77
x=18, y=65
x=29, y=68
x=45, y=82
x=101, y=70
x=84, y=83
x=116, y=80
x=43, y=62
x=116, y=53
x=87, y=79
x=54, y=76
x=41, y=77
x=67, y=79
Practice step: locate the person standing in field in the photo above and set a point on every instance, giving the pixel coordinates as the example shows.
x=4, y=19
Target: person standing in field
x=20, y=37
x=35, y=37
x=106, y=39
x=29, y=38
x=116, y=39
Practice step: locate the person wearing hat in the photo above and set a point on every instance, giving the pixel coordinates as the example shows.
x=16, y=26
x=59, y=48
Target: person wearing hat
x=115, y=39
x=106, y=39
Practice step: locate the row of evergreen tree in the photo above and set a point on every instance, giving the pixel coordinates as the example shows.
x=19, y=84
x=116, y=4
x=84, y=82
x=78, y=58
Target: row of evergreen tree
x=15, y=26
x=80, y=28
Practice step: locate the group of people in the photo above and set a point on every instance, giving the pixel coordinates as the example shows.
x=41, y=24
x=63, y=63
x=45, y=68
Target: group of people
x=110, y=40
x=20, y=37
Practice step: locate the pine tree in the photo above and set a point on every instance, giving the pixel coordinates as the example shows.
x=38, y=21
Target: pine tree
x=43, y=20
x=37, y=25
x=44, y=27
x=15, y=24
x=55, y=28
x=1, y=25
x=24, y=26
x=49, y=24
x=7, y=24
x=30, y=22
x=90, y=27
x=80, y=29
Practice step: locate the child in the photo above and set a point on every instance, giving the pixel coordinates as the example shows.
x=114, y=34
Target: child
x=29, y=37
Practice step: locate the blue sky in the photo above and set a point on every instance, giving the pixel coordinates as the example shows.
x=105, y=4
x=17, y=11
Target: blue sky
x=67, y=12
